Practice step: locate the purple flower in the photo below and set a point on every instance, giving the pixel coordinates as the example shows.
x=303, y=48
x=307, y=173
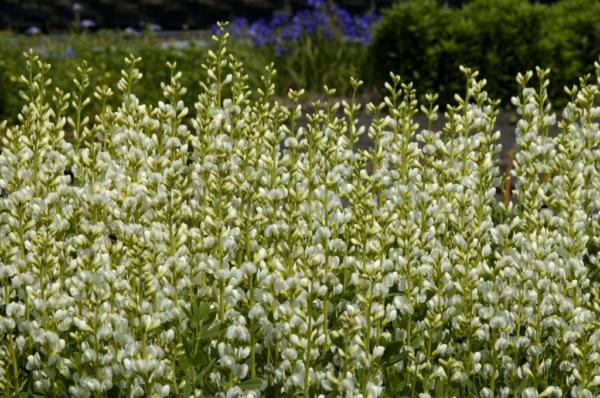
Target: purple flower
x=279, y=19
x=77, y=7
x=354, y=28
x=310, y=21
x=280, y=50
x=87, y=24
x=261, y=33
x=238, y=27
x=214, y=29
x=329, y=22
x=345, y=21
x=316, y=3
x=291, y=32
x=69, y=52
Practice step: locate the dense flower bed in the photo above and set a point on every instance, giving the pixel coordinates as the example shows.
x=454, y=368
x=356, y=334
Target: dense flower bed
x=326, y=19
x=229, y=251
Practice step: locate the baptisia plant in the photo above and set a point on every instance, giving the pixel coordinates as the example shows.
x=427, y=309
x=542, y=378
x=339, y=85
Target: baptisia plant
x=243, y=246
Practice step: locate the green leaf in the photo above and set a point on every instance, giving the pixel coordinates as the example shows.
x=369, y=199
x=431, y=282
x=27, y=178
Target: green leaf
x=200, y=358
x=207, y=368
x=251, y=384
x=201, y=311
x=212, y=332
x=440, y=390
x=256, y=328
x=395, y=359
x=471, y=386
x=51, y=372
x=417, y=342
x=187, y=312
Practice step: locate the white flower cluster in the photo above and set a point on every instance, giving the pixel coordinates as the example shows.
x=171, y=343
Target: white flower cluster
x=250, y=249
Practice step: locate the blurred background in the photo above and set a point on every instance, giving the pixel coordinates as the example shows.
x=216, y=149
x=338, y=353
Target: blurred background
x=58, y=15
x=311, y=42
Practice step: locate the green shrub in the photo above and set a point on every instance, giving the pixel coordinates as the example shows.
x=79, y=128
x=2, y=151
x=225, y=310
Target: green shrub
x=407, y=42
x=10, y=64
x=571, y=40
x=497, y=37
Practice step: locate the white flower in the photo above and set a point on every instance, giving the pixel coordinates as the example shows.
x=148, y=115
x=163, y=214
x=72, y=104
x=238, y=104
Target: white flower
x=529, y=392
x=15, y=310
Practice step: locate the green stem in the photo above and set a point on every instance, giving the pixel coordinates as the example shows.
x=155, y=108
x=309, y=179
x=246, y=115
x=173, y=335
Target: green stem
x=367, y=342
x=15, y=367
x=308, y=349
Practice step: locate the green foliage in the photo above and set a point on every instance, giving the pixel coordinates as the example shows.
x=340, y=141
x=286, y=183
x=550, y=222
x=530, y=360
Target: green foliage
x=571, y=40
x=499, y=38
x=406, y=42
x=310, y=64
x=425, y=42
x=314, y=62
x=104, y=52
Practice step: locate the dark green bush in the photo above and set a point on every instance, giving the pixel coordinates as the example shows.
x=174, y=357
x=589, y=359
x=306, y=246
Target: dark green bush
x=426, y=43
x=571, y=40
x=500, y=38
x=407, y=42
x=10, y=62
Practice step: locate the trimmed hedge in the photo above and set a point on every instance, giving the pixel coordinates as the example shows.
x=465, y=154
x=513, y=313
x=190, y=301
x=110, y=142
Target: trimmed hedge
x=497, y=37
